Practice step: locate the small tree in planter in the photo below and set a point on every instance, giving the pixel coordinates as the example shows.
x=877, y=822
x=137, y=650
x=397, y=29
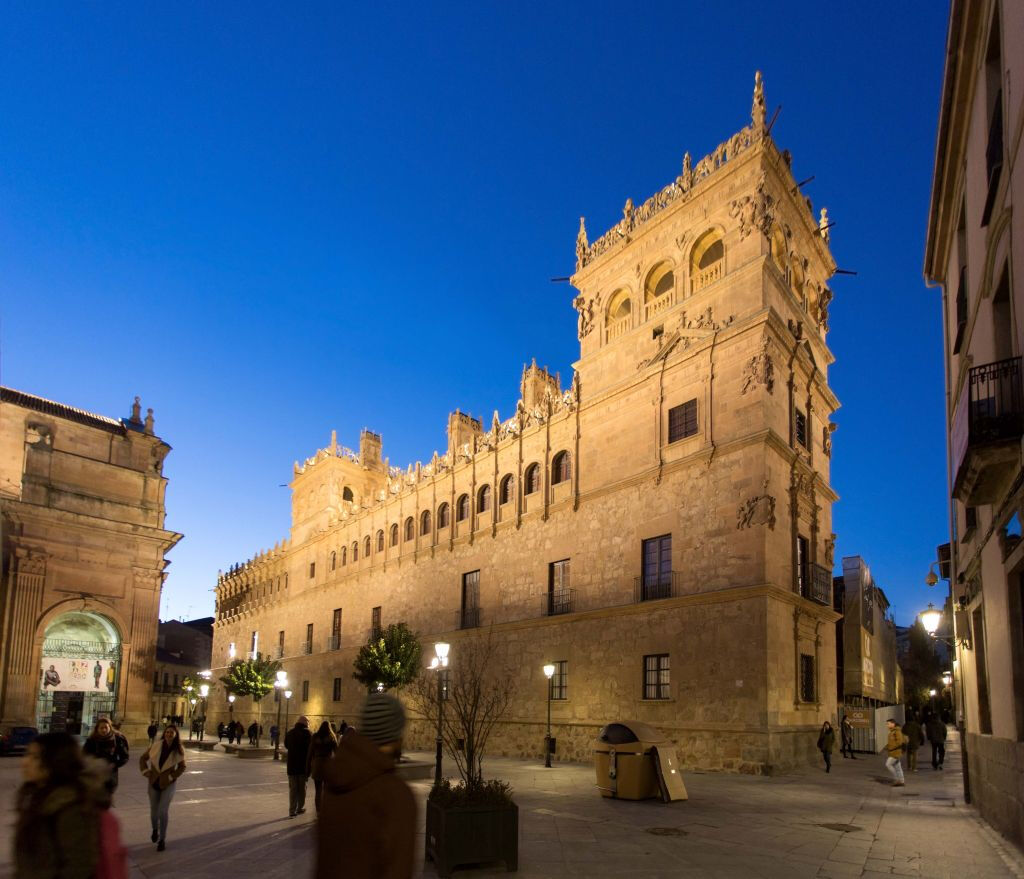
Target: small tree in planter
x=391, y=660
x=475, y=821
x=252, y=677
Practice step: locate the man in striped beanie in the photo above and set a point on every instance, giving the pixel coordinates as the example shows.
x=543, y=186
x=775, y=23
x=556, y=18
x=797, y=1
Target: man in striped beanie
x=367, y=823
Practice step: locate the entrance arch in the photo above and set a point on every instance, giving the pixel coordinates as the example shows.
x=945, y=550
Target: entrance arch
x=79, y=673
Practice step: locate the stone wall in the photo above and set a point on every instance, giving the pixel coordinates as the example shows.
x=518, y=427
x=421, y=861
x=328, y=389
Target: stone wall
x=996, y=769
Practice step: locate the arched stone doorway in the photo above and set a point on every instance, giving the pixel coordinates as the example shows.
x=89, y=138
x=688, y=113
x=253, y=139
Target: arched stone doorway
x=79, y=673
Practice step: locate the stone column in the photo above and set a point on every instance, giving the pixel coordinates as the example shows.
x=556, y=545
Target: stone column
x=20, y=671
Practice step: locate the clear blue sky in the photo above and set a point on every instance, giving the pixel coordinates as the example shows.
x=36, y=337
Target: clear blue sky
x=271, y=221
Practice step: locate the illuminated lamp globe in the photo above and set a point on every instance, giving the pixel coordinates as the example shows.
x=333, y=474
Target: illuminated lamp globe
x=930, y=619
x=549, y=670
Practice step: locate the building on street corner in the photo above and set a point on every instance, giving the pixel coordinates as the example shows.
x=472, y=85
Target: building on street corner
x=84, y=544
x=975, y=251
x=183, y=650
x=658, y=527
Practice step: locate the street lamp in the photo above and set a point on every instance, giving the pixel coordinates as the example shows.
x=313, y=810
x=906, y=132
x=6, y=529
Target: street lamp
x=931, y=618
x=280, y=684
x=947, y=678
x=204, y=691
x=192, y=702
x=439, y=663
x=549, y=671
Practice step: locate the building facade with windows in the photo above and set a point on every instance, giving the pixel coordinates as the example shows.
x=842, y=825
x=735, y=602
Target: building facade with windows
x=83, y=539
x=975, y=250
x=659, y=529
x=183, y=650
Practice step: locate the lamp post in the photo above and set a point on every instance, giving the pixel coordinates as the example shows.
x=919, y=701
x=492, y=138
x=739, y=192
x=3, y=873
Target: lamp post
x=280, y=684
x=549, y=671
x=439, y=663
x=231, y=709
x=204, y=691
x=192, y=702
x=287, y=707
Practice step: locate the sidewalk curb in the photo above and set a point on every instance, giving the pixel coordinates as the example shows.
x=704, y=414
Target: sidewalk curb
x=1007, y=851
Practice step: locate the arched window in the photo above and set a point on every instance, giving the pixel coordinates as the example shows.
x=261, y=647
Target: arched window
x=779, y=250
x=410, y=529
x=531, y=479
x=707, y=260
x=619, y=316
x=344, y=556
x=366, y=546
x=394, y=534
x=334, y=560
x=355, y=551
x=483, y=499
x=658, y=290
x=505, y=488
x=425, y=522
x=462, y=508
x=380, y=540
x=561, y=468
x=346, y=494
x=443, y=516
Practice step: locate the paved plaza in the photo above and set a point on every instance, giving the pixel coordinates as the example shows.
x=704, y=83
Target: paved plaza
x=229, y=820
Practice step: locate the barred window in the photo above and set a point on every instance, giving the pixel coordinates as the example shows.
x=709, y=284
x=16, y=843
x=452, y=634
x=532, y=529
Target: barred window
x=442, y=516
x=800, y=420
x=380, y=540
x=560, y=680
x=531, y=479
x=505, y=488
x=656, y=676
x=394, y=534
x=462, y=508
x=561, y=468
x=682, y=421
x=337, y=690
x=305, y=691
x=807, y=688
x=410, y=528
x=425, y=522
x=483, y=503
x=366, y=546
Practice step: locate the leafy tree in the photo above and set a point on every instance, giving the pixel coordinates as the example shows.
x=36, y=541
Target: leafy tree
x=391, y=660
x=480, y=691
x=252, y=677
x=922, y=669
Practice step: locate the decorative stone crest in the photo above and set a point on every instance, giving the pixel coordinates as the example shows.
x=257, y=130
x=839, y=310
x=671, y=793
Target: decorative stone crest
x=758, y=510
x=586, y=316
x=581, y=245
x=759, y=370
x=755, y=213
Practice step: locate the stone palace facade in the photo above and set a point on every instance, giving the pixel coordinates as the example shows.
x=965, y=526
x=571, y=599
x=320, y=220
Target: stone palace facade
x=660, y=528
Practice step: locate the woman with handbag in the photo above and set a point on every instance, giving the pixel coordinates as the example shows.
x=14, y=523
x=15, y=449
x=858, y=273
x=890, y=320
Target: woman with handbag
x=162, y=764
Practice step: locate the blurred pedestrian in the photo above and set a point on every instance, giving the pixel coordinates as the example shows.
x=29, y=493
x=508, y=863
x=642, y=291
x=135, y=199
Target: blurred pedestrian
x=937, y=733
x=297, y=741
x=221, y=729
x=162, y=764
x=914, y=739
x=894, y=751
x=107, y=744
x=274, y=732
x=59, y=806
x=846, y=731
x=321, y=749
x=253, y=730
x=151, y=731
x=368, y=815
x=827, y=744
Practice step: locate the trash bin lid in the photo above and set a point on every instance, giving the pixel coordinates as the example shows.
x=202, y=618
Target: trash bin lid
x=625, y=732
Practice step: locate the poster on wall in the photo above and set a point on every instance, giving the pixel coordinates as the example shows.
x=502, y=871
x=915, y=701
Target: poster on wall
x=79, y=675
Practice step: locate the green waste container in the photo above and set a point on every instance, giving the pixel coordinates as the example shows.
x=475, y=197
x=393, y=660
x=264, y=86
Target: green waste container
x=625, y=762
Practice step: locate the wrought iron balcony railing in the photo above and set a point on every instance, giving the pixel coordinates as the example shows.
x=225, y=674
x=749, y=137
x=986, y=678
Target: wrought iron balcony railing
x=816, y=584
x=307, y=648
x=558, y=601
x=655, y=586
x=469, y=618
x=334, y=642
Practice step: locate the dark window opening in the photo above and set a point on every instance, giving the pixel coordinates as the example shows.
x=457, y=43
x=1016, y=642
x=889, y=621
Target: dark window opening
x=560, y=680
x=682, y=421
x=336, y=694
x=807, y=684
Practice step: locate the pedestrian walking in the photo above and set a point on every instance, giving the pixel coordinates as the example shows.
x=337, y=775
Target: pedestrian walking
x=252, y=732
x=368, y=816
x=846, y=733
x=162, y=764
x=937, y=733
x=321, y=749
x=107, y=744
x=274, y=731
x=239, y=730
x=151, y=731
x=221, y=729
x=914, y=738
x=297, y=743
x=827, y=744
x=59, y=807
x=894, y=751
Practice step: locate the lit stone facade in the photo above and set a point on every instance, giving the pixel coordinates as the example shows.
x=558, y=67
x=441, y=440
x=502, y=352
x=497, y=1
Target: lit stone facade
x=699, y=411
x=976, y=255
x=83, y=538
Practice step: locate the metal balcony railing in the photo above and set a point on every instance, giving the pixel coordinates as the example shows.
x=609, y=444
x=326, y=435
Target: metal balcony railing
x=655, y=586
x=334, y=642
x=469, y=618
x=558, y=601
x=374, y=633
x=996, y=402
x=307, y=648
x=816, y=584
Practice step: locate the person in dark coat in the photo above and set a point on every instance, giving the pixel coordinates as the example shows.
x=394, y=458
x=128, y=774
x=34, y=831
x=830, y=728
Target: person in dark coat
x=221, y=729
x=827, y=744
x=56, y=835
x=107, y=744
x=321, y=750
x=914, y=738
x=297, y=741
x=253, y=730
x=151, y=731
x=846, y=732
x=368, y=815
x=937, y=733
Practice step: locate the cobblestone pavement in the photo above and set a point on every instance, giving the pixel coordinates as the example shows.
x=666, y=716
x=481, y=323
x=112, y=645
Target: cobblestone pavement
x=229, y=819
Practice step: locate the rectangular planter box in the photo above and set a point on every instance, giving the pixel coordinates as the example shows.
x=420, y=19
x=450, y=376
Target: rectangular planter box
x=472, y=835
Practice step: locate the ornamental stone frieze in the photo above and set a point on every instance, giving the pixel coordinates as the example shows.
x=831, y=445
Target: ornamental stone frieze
x=754, y=213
